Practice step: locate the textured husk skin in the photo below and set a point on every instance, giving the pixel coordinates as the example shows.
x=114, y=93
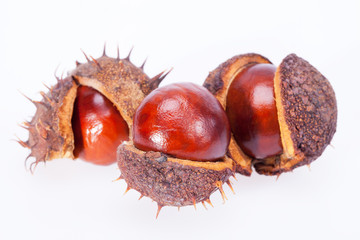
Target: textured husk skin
x=307, y=112
x=170, y=181
x=50, y=134
x=218, y=83
x=50, y=131
x=306, y=106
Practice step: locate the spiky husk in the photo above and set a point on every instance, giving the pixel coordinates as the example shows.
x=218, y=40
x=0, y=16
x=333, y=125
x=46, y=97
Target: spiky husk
x=170, y=181
x=124, y=84
x=50, y=134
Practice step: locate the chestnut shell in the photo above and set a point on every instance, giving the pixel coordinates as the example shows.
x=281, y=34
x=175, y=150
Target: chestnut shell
x=124, y=84
x=171, y=181
x=306, y=106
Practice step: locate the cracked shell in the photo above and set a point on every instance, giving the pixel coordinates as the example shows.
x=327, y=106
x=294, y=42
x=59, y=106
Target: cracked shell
x=306, y=108
x=125, y=85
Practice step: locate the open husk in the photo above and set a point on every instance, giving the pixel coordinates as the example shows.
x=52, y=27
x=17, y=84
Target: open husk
x=306, y=106
x=50, y=132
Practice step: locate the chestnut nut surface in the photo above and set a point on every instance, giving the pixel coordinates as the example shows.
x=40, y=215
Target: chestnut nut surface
x=251, y=108
x=183, y=120
x=98, y=127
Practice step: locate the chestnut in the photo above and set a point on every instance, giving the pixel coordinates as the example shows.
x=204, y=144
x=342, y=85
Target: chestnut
x=177, y=154
x=281, y=118
x=98, y=127
x=177, y=120
x=251, y=108
x=88, y=113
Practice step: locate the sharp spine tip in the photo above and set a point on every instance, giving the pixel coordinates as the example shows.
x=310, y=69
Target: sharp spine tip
x=194, y=203
x=118, y=52
x=127, y=189
x=85, y=56
x=25, y=125
x=31, y=168
x=23, y=144
x=230, y=186
x=277, y=176
x=234, y=176
x=26, y=159
x=49, y=88
x=156, y=80
x=143, y=65
x=119, y=178
x=219, y=186
x=158, y=210
x=104, y=50
x=203, y=203
x=27, y=97
x=129, y=54
x=36, y=103
x=209, y=202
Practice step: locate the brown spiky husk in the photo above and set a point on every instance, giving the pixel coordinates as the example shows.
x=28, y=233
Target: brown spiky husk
x=218, y=83
x=170, y=181
x=124, y=84
x=306, y=106
x=50, y=135
x=307, y=113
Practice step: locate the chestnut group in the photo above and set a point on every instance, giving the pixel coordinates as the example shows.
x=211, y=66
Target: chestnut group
x=179, y=143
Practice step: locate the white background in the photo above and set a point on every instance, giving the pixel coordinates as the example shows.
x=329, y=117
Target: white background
x=74, y=200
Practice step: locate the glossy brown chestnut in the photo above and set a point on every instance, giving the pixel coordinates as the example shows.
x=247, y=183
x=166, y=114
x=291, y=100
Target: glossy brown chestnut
x=252, y=113
x=183, y=120
x=98, y=127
